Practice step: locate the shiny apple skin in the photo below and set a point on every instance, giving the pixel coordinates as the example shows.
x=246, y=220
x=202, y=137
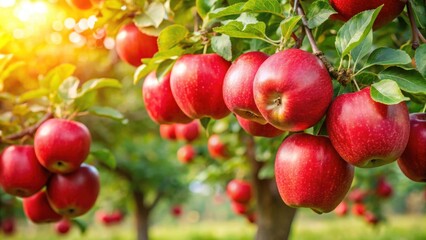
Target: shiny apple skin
x=259, y=130
x=38, y=210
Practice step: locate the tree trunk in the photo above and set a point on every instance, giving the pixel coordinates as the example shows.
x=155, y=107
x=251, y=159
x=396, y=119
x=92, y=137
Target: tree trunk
x=142, y=216
x=273, y=217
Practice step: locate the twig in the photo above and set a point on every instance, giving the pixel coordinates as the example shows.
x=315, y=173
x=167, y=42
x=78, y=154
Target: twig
x=422, y=38
x=308, y=31
x=27, y=131
x=414, y=30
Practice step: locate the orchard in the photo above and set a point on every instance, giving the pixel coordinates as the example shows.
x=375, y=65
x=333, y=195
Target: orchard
x=213, y=119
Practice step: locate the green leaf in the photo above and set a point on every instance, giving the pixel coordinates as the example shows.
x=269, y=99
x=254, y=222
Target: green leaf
x=419, y=8
x=204, y=7
x=105, y=156
x=387, y=92
x=387, y=56
x=246, y=26
x=205, y=122
x=164, y=68
x=171, y=36
x=68, y=89
x=420, y=58
x=106, y=112
x=288, y=25
x=263, y=6
x=82, y=226
x=33, y=94
x=98, y=83
x=56, y=76
x=363, y=48
x=222, y=45
x=318, y=13
x=152, y=16
x=234, y=9
x=354, y=31
x=410, y=81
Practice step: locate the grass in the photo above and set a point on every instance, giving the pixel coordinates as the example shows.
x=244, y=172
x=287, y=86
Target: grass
x=305, y=227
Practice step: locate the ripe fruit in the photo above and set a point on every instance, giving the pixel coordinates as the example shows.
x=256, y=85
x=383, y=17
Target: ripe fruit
x=251, y=217
x=188, y=132
x=216, y=148
x=348, y=8
x=367, y=133
x=341, y=209
x=62, y=145
x=132, y=45
x=20, y=172
x=310, y=173
x=257, y=129
x=109, y=218
x=238, y=86
x=292, y=90
x=239, y=208
x=80, y=4
x=413, y=161
x=168, y=131
x=357, y=195
x=8, y=226
x=159, y=101
x=239, y=191
x=176, y=211
x=196, y=82
x=358, y=209
x=63, y=227
x=38, y=210
x=74, y=194
x=384, y=189
x=186, y=153
x=371, y=218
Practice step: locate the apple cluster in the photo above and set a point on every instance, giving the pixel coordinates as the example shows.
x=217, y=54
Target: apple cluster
x=51, y=176
x=240, y=193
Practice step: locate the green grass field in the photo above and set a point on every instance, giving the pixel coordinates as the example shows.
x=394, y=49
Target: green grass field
x=305, y=228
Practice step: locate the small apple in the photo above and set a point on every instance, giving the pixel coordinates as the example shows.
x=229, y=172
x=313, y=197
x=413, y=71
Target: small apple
x=357, y=195
x=413, y=161
x=38, y=210
x=239, y=208
x=257, y=129
x=63, y=226
x=216, y=148
x=196, y=81
x=168, y=131
x=384, y=189
x=116, y=217
x=238, y=86
x=20, y=172
x=176, y=211
x=62, y=145
x=251, y=217
x=132, y=45
x=80, y=4
x=310, y=173
x=371, y=218
x=239, y=191
x=358, y=209
x=346, y=9
x=159, y=101
x=341, y=209
x=8, y=226
x=186, y=154
x=292, y=90
x=74, y=194
x=188, y=132
x=367, y=133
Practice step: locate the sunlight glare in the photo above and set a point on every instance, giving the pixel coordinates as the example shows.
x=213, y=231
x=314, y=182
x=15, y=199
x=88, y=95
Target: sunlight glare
x=7, y=3
x=27, y=11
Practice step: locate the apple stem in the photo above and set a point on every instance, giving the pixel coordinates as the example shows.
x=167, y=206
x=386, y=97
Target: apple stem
x=422, y=38
x=27, y=131
x=414, y=30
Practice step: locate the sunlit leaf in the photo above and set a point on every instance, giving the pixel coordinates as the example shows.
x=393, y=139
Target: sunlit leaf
x=387, y=92
x=105, y=156
x=106, y=112
x=222, y=45
x=319, y=12
x=420, y=59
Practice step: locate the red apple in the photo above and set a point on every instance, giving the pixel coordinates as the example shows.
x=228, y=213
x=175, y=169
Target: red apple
x=188, y=132
x=292, y=90
x=74, y=194
x=63, y=227
x=239, y=208
x=176, y=211
x=239, y=191
x=62, y=145
x=168, y=131
x=20, y=172
x=367, y=133
x=197, y=82
x=341, y=209
x=109, y=218
x=346, y=9
x=358, y=209
x=80, y=4
x=38, y=210
x=251, y=217
x=216, y=148
x=371, y=218
x=159, y=101
x=116, y=217
x=357, y=195
x=413, y=161
x=383, y=188
x=186, y=153
x=310, y=173
x=132, y=45
x=8, y=226
x=257, y=129
x=238, y=86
